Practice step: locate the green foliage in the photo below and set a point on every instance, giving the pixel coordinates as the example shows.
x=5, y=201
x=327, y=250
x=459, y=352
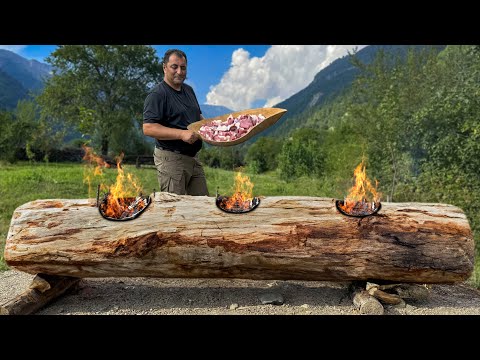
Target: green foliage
x=7, y=149
x=23, y=132
x=30, y=154
x=227, y=158
x=47, y=135
x=262, y=155
x=302, y=154
x=415, y=119
x=448, y=134
x=383, y=100
x=16, y=129
x=99, y=89
x=448, y=126
x=10, y=91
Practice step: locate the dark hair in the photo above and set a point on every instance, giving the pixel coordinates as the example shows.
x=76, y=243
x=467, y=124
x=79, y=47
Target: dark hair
x=177, y=52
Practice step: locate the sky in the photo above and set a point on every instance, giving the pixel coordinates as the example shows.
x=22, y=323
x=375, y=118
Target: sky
x=239, y=77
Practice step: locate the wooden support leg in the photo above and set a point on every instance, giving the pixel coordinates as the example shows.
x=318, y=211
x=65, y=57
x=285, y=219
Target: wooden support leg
x=43, y=289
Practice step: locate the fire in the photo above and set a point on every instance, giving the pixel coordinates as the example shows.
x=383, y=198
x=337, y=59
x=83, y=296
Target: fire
x=363, y=194
x=121, y=199
x=91, y=157
x=242, y=195
x=88, y=174
x=119, y=193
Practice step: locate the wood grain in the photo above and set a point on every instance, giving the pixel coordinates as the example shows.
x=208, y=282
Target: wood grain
x=285, y=238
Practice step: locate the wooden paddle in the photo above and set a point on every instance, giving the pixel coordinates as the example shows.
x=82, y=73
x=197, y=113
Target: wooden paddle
x=272, y=115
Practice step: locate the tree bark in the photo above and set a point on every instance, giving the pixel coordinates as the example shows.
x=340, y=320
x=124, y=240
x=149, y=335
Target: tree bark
x=284, y=238
x=43, y=290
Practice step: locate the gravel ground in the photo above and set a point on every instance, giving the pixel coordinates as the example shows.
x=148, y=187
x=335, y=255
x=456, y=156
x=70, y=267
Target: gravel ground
x=154, y=296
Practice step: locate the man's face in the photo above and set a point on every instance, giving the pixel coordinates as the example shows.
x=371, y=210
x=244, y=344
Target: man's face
x=175, y=70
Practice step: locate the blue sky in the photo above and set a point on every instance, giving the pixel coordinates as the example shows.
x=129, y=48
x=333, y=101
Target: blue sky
x=239, y=76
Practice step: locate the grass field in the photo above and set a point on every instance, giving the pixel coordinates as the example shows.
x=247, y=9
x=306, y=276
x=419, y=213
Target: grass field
x=24, y=182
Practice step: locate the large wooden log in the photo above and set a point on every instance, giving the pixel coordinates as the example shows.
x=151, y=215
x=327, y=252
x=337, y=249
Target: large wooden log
x=285, y=238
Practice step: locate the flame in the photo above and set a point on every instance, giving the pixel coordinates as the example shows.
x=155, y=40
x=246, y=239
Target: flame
x=88, y=174
x=120, y=193
x=361, y=193
x=91, y=157
x=121, y=196
x=242, y=195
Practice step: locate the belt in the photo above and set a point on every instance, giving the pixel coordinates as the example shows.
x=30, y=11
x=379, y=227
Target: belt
x=174, y=151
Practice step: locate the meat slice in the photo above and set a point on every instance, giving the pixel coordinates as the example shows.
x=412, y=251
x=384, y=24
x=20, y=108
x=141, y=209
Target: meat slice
x=230, y=129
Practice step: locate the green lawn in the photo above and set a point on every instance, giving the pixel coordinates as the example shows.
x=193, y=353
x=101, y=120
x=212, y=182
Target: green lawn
x=26, y=182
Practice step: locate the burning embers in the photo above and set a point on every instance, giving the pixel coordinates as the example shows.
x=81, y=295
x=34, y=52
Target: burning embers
x=363, y=199
x=235, y=205
x=359, y=208
x=242, y=200
x=119, y=202
x=121, y=209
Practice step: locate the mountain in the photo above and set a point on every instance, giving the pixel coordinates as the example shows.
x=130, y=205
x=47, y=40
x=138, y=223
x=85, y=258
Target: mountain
x=19, y=76
x=209, y=111
x=328, y=83
x=30, y=73
x=10, y=91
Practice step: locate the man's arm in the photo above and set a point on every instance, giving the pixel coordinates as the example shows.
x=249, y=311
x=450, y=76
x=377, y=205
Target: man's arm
x=161, y=132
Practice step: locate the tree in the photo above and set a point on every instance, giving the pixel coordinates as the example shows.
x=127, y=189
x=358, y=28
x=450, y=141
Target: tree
x=99, y=89
x=7, y=140
x=448, y=132
x=45, y=135
x=386, y=95
x=227, y=158
x=262, y=155
x=303, y=154
x=19, y=129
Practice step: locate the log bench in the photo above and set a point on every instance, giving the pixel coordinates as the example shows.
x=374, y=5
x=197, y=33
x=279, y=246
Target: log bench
x=284, y=238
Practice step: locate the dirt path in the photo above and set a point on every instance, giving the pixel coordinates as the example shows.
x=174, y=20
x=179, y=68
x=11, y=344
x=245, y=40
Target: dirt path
x=228, y=296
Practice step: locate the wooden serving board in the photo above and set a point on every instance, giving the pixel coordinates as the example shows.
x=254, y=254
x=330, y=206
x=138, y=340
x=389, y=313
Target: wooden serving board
x=272, y=115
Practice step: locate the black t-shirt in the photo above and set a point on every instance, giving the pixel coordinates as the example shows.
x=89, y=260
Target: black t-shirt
x=174, y=109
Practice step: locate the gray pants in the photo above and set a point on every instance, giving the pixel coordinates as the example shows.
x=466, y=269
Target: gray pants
x=180, y=174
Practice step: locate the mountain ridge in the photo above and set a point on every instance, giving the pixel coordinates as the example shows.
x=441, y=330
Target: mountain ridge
x=18, y=77
x=210, y=111
x=328, y=83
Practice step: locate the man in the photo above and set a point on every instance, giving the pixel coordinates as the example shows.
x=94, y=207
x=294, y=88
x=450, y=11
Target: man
x=169, y=108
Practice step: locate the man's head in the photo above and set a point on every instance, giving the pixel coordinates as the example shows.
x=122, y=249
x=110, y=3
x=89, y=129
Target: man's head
x=174, y=68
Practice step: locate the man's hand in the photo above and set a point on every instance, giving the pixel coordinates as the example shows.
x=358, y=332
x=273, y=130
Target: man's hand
x=189, y=136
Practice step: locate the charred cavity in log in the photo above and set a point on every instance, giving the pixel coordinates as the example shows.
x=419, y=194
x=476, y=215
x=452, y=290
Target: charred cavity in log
x=360, y=209
x=127, y=208
x=237, y=208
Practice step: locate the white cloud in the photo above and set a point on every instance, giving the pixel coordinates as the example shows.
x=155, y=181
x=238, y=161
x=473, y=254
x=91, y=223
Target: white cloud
x=281, y=72
x=15, y=48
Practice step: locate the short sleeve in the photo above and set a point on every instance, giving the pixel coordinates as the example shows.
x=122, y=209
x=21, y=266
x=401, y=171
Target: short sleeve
x=153, y=108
